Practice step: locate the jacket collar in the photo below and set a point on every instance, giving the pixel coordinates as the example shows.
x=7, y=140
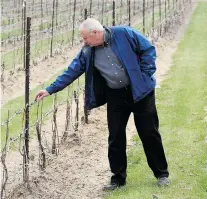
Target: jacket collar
x=107, y=35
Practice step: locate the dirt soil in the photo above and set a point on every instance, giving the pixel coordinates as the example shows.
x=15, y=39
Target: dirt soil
x=81, y=168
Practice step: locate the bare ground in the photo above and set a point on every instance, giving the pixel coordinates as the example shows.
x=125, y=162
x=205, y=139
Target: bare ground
x=81, y=169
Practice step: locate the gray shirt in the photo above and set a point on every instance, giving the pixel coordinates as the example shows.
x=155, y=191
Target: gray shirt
x=109, y=65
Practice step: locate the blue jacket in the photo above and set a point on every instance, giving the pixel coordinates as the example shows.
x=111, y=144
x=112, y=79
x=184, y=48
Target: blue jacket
x=134, y=51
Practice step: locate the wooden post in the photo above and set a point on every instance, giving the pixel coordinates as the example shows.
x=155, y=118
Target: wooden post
x=165, y=16
x=129, y=12
x=143, y=16
x=74, y=8
x=160, y=15
x=53, y=13
x=26, y=128
x=85, y=14
x=102, y=12
x=153, y=15
x=85, y=109
x=113, y=14
x=24, y=31
x=90, y=7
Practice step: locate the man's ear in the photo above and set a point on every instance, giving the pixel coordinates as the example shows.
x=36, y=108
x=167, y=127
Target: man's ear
x=94, y=32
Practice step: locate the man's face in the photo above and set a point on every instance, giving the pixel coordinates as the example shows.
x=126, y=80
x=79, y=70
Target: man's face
x=92, y=38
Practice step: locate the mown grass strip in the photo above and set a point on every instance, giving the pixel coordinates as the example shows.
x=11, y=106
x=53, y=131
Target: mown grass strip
x=181, y=102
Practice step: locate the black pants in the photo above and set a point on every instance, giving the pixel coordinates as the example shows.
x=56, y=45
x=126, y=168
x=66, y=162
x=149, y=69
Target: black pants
x=119, y=106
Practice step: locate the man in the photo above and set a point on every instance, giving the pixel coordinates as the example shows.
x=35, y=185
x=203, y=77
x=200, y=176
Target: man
x=119, y=63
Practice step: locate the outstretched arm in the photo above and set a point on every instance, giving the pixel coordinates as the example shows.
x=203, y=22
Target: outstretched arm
x=74, y=70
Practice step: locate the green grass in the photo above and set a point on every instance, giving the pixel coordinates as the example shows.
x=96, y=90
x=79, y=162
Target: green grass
x=181, y=101
x=18, y=32
x=12, y=33
x=40, y=47
x=44, y=26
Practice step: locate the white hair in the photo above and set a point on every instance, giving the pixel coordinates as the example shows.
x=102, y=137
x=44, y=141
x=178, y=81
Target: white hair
x=91, y=24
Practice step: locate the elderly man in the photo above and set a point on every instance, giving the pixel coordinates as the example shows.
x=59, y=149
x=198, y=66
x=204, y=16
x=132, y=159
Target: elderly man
x=119, y=63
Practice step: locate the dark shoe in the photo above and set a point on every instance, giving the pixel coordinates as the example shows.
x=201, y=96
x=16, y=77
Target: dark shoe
x=163, y=181
x=112, y=186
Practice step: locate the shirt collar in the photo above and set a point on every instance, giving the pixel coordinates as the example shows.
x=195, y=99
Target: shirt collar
x=106, y=36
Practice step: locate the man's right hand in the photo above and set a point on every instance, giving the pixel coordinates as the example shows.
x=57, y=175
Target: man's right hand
x=41, y=94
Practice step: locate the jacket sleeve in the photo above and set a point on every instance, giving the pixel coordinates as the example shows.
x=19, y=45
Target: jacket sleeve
x=145, y=51
x=74, y=70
